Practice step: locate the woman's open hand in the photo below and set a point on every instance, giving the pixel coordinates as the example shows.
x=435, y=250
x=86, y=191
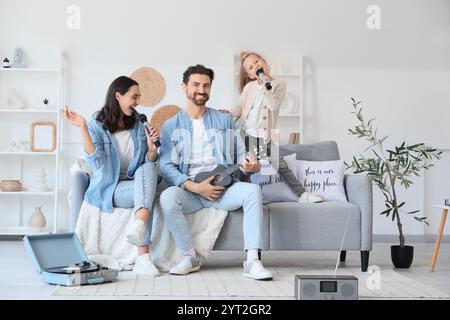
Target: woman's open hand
x=73, y=117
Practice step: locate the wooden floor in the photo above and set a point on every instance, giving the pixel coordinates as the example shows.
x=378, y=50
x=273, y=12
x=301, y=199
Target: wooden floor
x=18, y=279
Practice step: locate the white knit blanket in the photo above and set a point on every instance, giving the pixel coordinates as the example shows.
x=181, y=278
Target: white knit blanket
x=103, y=236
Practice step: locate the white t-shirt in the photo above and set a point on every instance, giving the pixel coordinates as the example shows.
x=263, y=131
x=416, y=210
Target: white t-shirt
x=201, y=158
x=250, y=125
x=125, y=148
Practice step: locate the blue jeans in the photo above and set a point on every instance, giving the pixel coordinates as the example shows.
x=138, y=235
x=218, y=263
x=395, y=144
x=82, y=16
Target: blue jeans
x=175, y=201
x=139, y=193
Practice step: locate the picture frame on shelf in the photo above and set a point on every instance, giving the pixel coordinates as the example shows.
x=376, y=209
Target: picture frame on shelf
x=43, y=137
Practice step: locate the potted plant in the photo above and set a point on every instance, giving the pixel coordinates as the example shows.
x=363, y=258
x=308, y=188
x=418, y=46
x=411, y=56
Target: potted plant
x=389, y=169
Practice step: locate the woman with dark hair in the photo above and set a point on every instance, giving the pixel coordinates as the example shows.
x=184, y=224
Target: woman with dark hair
x=122, y=156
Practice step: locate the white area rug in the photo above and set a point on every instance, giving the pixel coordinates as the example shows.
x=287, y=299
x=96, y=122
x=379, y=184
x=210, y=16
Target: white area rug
x=229, y=283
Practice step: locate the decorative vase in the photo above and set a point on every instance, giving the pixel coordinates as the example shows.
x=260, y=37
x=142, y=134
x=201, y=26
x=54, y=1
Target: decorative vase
x=37, y=219
x=402, y=257
x=17, y=61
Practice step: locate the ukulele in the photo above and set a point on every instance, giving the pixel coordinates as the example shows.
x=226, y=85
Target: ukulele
x=223, y=175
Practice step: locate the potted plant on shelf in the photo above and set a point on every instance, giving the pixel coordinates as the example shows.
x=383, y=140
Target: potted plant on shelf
x=389, y=168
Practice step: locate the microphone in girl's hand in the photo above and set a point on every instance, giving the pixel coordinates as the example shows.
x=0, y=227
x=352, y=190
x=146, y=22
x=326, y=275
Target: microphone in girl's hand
x=260, y=74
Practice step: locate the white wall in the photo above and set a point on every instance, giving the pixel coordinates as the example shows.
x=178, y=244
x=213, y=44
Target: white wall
x=401, y=72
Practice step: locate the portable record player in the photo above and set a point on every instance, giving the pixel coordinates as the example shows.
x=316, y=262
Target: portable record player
x=60, y=259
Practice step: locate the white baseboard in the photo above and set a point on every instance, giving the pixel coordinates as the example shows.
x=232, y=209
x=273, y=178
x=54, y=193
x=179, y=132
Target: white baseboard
x=414, y=238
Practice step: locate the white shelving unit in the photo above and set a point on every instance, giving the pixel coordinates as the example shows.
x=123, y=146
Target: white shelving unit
x=16, y=70
x=19, y=111
x=21, y=160
x=291, y=121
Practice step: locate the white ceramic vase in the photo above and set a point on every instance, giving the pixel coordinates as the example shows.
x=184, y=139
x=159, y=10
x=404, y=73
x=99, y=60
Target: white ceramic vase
x=37, y=219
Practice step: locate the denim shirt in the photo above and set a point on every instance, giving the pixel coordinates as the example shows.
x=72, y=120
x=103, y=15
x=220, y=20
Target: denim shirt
x=176, y=140
x=105, y=163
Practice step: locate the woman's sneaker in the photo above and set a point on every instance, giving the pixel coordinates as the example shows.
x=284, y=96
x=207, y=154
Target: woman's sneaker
x=256, y=270
x=144, y=265
x=308, y=197
x=136, y=235
x=187, y=265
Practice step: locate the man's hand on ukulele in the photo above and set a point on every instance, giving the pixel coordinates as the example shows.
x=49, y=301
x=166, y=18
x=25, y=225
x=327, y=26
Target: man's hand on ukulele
x=250, y=165
x=208, y=191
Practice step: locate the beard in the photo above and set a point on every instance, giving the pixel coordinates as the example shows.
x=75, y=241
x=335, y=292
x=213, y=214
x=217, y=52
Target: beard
x=198, y=99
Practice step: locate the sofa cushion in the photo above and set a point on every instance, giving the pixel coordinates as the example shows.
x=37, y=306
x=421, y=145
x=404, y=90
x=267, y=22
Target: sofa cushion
x=321, y=151
x=314, y=226
x=323, y=178
x=273, y=187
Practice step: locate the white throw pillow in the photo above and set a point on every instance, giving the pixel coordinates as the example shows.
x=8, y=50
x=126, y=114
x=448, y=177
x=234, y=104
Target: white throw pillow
x=273, y=187
x=323, y=178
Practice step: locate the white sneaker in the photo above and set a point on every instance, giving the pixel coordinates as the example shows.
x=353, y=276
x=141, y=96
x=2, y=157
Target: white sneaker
x=187, y=265
x=308, y=197
x=144, y=265
x=136, y=235
x=256, y=270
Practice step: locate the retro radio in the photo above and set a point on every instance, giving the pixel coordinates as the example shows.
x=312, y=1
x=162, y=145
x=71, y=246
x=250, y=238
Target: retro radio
x=326, y=287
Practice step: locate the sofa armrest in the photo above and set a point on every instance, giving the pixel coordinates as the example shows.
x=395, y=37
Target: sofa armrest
x=79, y=182
x=359, y=192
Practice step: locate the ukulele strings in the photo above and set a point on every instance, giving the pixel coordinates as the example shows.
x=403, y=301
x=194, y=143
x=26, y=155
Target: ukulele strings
x=233, y=168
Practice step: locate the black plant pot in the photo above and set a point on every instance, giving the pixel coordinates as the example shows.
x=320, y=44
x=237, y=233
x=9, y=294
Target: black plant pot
x=402, y=257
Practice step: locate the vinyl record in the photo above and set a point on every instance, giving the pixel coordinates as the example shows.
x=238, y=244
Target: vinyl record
x=76, y=268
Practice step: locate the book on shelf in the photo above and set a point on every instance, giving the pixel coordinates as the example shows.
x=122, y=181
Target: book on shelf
x=294, y=138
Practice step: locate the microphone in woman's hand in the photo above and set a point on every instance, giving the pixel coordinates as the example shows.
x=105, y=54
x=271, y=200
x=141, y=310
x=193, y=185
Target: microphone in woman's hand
x=260, y=74
x=143, y=118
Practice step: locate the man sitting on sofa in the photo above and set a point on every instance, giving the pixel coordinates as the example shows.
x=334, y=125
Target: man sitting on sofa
x=197, y=140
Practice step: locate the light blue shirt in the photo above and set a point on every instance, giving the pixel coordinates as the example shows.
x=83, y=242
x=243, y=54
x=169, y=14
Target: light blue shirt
x=105, y=163
x=176, y=141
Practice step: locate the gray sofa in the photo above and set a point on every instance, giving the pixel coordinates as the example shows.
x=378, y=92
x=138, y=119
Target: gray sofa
x=293, y=225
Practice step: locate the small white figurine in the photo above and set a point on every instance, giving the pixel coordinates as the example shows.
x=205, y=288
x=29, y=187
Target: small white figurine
x=19, y=146
x=17, y=59
x=40, y=182
x=15, y=100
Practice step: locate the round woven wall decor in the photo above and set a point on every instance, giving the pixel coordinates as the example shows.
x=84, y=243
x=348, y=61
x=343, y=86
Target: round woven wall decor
x=151, y=84
x=162, y=114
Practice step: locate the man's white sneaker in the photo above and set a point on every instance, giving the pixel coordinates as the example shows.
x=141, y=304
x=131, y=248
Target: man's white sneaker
x=136, y=235
x=187, y=265
x=256, y=270
x=144, y=265
x=308, y=197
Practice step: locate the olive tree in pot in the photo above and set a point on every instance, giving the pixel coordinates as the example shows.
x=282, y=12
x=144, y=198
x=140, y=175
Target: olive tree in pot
x=389, y=168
